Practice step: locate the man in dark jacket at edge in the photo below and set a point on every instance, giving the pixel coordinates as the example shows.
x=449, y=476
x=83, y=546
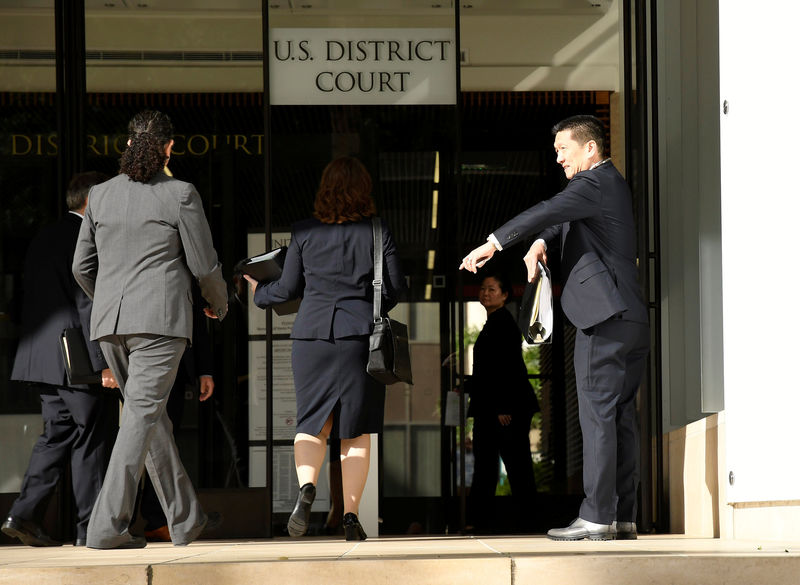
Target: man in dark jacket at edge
x=80, y=421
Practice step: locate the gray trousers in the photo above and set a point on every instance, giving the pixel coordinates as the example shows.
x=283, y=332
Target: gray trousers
x=610, y=359
x=145, y=367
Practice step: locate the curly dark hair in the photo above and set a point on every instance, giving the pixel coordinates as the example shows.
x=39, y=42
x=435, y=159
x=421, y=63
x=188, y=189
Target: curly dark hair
x=149, y=133
x=345, y=192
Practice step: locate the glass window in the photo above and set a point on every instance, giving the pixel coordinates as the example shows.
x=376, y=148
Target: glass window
x=201, y=66
x=28, y=182
x=377, y=81
x=524, y=68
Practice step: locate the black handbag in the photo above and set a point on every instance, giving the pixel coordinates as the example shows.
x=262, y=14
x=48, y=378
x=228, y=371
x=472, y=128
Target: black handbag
x=389, y=356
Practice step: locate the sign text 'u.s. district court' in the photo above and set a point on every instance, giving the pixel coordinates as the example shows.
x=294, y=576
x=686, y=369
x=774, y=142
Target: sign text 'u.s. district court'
x=378, y=66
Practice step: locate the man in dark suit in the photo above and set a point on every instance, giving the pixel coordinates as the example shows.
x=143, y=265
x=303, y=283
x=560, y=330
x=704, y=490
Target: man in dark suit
x=601, y=297
x=79, y=421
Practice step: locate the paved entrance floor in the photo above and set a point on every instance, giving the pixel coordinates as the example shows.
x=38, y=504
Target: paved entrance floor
x=455, y=560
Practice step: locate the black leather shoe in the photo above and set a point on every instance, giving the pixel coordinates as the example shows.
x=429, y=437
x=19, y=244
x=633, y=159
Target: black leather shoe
x=580, y=529
x=352, y=528
x=298, y=521
x=132, y=542
x=625, y=530
x=27, y=531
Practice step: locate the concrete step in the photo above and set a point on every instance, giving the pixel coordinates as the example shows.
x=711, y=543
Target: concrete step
x=651, y=560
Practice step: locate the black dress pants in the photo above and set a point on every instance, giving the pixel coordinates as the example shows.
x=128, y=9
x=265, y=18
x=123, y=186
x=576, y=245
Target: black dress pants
x=610, y=359
x=490, y=442
x=79, y=428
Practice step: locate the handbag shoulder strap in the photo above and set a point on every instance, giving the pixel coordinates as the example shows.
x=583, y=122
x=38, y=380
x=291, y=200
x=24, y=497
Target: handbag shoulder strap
x=377, y=263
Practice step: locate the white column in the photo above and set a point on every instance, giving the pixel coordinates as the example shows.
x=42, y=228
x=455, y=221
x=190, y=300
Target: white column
x=368, y=509
x=760, y=204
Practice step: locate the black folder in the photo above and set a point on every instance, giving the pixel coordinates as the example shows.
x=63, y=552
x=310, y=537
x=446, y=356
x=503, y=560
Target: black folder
x=266, y=267
x=76, y=358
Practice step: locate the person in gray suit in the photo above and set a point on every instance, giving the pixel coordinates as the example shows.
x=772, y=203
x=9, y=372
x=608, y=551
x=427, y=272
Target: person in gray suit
x=143, y=238
x=594, y=219
x=329, y=264
x=79, y=420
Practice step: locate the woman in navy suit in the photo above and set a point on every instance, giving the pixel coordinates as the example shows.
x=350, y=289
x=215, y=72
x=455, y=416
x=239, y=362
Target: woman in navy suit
x=329, y=264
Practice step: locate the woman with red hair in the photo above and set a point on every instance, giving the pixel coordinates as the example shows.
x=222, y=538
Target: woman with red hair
x=329, y=264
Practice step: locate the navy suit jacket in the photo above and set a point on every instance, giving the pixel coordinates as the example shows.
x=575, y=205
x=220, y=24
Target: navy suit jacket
x=331, y=266
x=594, y=217
x=53, y=301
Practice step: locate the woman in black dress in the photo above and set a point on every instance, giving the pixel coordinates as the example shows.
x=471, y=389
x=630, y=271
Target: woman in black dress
x=329, y=264
x=502, y=403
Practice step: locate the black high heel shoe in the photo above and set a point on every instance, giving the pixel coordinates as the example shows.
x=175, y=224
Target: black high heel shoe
x=352, y=528
x=298, y=521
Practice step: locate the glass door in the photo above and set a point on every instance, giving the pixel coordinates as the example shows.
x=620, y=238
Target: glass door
x=376, y=81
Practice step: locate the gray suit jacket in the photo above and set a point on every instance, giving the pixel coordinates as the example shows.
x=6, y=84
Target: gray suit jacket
x=594, y=217
x=138, y=248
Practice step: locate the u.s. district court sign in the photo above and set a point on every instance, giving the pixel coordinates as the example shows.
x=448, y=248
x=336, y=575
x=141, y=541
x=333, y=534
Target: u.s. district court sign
x=379, y=66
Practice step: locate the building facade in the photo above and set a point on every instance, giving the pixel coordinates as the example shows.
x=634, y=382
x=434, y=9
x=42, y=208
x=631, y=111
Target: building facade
x=450, y=106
